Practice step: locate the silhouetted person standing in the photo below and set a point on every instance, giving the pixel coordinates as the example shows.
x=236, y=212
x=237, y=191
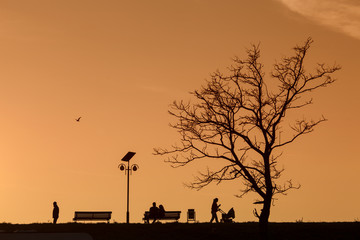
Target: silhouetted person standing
x=214, y=209
x=55, y=212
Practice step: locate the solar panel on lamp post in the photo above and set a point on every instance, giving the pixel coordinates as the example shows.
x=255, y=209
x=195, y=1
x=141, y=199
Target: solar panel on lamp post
x=128, y=169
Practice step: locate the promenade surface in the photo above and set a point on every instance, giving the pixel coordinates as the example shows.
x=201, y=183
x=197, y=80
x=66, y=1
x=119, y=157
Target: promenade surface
x=198, y=231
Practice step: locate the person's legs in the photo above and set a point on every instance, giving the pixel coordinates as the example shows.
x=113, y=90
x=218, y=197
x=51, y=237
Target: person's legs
x=216, y=218
x=152, y=216
x=213, y=216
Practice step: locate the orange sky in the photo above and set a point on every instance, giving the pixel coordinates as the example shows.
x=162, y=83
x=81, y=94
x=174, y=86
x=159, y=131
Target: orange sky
x=119, y=64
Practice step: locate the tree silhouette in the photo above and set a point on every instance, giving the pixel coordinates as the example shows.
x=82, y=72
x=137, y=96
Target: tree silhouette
x=237, y=118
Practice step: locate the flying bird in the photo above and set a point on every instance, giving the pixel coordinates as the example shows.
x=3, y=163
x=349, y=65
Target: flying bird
x=78, y=119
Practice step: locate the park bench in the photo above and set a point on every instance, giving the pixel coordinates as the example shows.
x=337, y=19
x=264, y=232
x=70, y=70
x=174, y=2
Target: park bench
x=92, y=216
x=169, y=215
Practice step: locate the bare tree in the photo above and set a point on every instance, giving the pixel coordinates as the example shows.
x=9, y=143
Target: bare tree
x=237, y=118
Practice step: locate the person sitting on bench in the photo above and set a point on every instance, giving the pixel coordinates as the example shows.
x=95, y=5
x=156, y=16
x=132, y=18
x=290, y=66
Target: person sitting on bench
x=153, y=212
x=161, y=212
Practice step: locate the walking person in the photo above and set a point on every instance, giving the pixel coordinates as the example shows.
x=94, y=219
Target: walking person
x=214, y=209
x=55, y=212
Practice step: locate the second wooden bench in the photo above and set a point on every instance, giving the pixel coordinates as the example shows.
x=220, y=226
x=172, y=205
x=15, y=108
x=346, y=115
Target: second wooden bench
x=169, y=215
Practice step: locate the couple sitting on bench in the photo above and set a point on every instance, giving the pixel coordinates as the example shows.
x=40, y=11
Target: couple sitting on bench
x=155, y=213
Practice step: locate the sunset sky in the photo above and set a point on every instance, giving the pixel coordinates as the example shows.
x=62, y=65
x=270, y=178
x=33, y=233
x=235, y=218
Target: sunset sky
x=119, y=64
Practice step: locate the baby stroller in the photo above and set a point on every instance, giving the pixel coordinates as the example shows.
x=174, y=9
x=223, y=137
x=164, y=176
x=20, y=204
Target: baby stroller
x=227, y=217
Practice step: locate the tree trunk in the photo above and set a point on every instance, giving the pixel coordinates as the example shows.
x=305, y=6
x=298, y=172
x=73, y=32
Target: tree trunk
x=264, y=217
x=265, y=212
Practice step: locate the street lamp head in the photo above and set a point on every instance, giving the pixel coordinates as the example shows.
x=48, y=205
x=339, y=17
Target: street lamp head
x=122, y=166
x=135, y=167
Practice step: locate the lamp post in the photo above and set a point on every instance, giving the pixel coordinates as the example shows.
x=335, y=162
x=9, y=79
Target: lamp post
x=128, y=169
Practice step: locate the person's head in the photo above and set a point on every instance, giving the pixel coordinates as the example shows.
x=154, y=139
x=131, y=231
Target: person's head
x=216, y=199
x=161, y=206
x=154, y=204
x=54, y=203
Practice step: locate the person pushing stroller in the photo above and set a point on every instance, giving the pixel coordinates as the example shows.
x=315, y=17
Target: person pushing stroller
x=214, y=210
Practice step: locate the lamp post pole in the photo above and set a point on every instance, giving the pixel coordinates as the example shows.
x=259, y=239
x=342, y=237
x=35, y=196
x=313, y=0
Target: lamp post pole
x=128, y=169
x=128, y=193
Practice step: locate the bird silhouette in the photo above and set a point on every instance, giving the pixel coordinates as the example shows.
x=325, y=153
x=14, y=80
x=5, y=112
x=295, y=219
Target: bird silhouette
x=78, y=119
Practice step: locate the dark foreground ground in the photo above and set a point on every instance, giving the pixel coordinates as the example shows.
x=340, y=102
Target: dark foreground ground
x=198, y=231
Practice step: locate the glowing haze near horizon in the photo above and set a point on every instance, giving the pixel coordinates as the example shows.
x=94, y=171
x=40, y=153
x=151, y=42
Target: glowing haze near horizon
x=119, y=64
